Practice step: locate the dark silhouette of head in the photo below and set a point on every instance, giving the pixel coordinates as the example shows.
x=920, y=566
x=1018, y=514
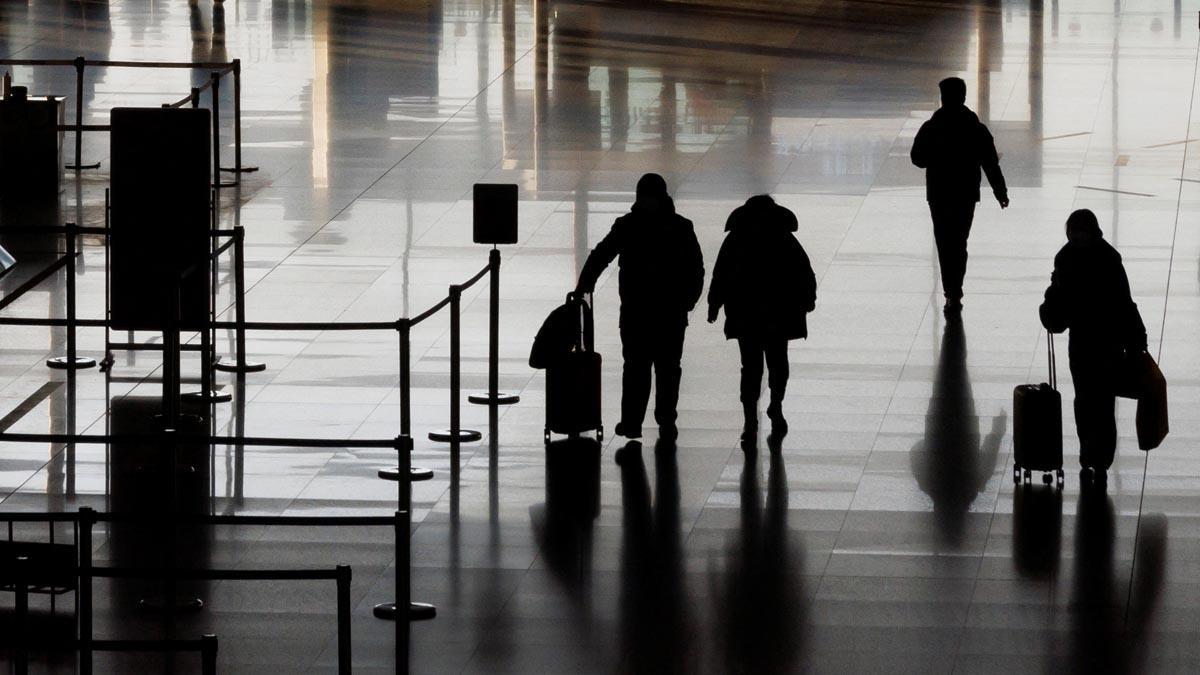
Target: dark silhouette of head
x=954, y=92
x=651, y=187
x=1083, y=227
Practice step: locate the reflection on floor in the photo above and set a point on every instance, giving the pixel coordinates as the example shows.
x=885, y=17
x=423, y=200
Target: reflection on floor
x=885, y=533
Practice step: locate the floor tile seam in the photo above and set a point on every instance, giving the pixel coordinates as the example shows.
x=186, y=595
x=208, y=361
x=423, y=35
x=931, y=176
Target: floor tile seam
x=1163, y=327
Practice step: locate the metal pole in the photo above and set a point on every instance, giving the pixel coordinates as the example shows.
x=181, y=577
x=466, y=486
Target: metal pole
x=208, y=654
x=22, y=612
x=405, y=379
x=237, y=121
x=195, y=97
x=83, y=588
x=71, y=361
x=493, y=397
x=240, y=364
x=215, y=78
x=402, y=584
x=455, y=375
x=343, y=610
x=79, y=63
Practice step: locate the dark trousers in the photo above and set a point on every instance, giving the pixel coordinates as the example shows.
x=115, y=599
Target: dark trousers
x=644, y=346
x=951, y=227
x=753, y=351
x=1093, y=371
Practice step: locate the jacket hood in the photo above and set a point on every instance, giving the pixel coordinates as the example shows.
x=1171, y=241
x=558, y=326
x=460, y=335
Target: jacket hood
x=761, y=211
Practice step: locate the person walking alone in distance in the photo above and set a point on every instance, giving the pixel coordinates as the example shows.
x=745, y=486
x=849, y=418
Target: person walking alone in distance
x=661, y=278
x=766, y=284
x=952, y=147
x=1089, y=295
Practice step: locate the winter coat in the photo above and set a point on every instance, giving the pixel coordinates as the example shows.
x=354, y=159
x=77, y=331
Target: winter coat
x=952, y=147
x=661, y=266
x=1089, y=295
x=763, y=277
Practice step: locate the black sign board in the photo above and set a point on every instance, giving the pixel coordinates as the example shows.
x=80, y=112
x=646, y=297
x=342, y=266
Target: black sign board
x=159, y=217
x=495, y=214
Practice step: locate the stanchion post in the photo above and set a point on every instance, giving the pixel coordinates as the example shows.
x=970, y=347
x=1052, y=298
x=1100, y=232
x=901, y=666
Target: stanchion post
x=215, y=79
x=455, y=374
x=22, y=612
x=455, y=435
x=417, y=611
x=240, y=364
x=403, y=589
x=493, y=396
x=83, y=587
x=343, y=612
x=195, y=97
x=208, y=654
x=71, y=361
x=237, y=121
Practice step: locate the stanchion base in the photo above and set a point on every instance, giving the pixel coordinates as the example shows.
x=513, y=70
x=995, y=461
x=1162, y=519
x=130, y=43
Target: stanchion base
x=501, y=398
x=415, y=475
x=161, y=604
x=210, y=397
x=464, y=436
x=417, y=611
x=231, y=366
x=64, y=363
x=244, y=169
x=78, y=167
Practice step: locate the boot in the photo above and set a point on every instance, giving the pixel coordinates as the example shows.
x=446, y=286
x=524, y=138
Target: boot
x=750, y=428
x=779, y=426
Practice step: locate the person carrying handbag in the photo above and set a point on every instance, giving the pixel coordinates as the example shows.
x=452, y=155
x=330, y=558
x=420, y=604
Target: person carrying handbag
x=1089, y=296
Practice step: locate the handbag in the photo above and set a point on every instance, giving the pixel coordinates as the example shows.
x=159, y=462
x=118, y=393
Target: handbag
x=1152, y=422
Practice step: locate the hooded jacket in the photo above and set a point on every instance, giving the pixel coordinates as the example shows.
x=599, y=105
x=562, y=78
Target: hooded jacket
x=952, y=147
x=661, y=266
x=763, y=277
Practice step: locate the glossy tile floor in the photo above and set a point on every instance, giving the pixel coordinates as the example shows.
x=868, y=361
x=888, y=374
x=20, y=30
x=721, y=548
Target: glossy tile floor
x=886, y=536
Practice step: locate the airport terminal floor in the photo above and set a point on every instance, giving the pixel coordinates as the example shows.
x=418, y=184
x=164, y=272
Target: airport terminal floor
x=885, y=535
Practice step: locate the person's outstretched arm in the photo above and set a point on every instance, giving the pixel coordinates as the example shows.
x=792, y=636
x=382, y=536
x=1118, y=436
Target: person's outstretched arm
x=605, y=252
x=990, y=161
x=808, y=278
x=694, y=267
x=920, y=148
x=716, y=287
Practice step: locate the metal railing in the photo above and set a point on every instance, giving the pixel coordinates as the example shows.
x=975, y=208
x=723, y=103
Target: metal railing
x=86, y=572
x=219, y=70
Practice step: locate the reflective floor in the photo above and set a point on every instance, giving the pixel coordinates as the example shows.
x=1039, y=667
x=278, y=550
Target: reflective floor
x=885, y=536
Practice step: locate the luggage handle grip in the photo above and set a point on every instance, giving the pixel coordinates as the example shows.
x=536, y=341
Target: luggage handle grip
x=1051, y=360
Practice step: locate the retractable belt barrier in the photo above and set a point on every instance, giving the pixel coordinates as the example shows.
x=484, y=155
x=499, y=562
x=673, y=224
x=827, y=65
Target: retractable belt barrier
x=219, y=70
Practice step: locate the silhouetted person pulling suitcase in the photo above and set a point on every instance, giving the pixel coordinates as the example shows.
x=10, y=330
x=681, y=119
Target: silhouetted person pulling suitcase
x=1089, y=295
x=766, y=284
x=952, y=147
x=661, y=278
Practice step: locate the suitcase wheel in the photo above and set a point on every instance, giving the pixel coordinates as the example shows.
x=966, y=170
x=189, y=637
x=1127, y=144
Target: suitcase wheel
x=1028, y=474
x=1061, y=478
x=1016, y=475
x=1047, y=477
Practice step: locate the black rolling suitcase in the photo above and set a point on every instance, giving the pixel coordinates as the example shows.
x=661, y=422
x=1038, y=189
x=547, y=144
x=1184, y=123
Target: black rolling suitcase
x=1037, y=427
x=573, y=380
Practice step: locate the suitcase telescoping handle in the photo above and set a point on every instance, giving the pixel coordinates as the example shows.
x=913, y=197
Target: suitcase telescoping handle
x=1050, y=359
x=585, y=339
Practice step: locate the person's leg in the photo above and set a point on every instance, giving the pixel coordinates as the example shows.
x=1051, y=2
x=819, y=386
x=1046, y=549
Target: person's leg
x=1095, y=406
x=951, y=228
x=752, y=369
x=778, y=369
x=668, y=353
x=635, y=382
